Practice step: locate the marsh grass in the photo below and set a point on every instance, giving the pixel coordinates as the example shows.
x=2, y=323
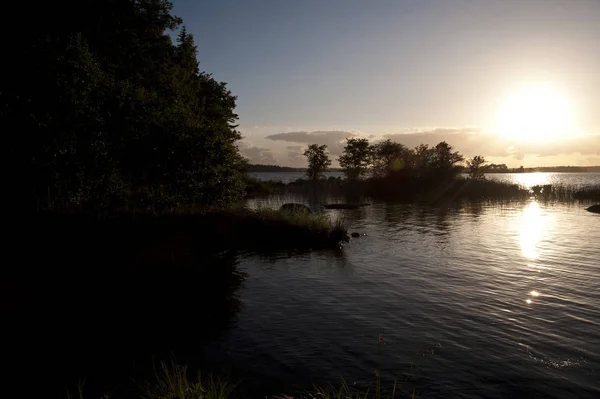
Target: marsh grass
x=258, y=188
x=270, y=228
x=572, y=193
x=172, y=382
x=435, y=189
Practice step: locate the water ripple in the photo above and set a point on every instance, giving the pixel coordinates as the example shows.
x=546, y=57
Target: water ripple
x=512, y=294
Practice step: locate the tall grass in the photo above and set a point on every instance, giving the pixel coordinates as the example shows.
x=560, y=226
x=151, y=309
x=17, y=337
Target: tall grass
x=172, y=382
x=275, y=228
x=571, y=193
x=344, y=391
x=432, y=188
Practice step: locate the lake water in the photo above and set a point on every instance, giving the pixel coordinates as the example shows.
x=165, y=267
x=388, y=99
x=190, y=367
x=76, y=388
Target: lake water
x=525, y=179
x=481, y=300
x=508, y=296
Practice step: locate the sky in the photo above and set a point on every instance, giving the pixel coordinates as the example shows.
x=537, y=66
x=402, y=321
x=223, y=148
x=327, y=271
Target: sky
x=517, y=81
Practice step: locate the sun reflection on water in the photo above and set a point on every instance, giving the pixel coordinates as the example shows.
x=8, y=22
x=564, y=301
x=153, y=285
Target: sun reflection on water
x=532, y=179
x=535, y=225
x=532, y=229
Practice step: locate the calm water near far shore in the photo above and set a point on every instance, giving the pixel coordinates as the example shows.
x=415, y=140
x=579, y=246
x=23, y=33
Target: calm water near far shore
x=511, y=293
x=525, y=179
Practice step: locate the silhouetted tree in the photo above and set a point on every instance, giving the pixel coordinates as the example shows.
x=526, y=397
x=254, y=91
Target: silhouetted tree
x=444, y=157
x=423, y=157
x=356, y=158
x=388, y=156
x=475, y=167
x=111, y=112
x=318, y=161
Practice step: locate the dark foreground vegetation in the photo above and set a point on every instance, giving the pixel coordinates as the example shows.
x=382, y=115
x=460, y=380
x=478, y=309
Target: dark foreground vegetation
x=107, y=110
x=173, y=381
x=180, y=239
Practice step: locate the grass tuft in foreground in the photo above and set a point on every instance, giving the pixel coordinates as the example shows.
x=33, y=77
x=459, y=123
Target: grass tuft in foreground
x=172, y=382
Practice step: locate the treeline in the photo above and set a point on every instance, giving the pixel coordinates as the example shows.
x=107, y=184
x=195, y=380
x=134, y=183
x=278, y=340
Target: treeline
x=387, y=158
x=389, y=170
x=569, y=169
x=105, y=111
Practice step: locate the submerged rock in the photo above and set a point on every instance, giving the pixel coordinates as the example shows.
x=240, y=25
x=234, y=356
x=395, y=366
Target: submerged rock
x=594, y=208
x=295, y=207
x=355, y=235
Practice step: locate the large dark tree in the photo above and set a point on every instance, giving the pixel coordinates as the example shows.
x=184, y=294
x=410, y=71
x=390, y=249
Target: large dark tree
x=105, y=111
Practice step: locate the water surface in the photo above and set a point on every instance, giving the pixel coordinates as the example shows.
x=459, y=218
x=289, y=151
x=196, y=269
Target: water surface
x=511, y=294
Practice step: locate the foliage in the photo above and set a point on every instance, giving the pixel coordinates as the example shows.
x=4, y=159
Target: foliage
x=318, y=161
x=498, y=168
x=475, y=167
x=389, y=157
x=256, y=187
x=356, y=159
x=423, y=157
x=112, y=113
x=444, y=157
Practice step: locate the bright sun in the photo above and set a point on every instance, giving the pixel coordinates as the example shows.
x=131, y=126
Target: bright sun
x=535, y=112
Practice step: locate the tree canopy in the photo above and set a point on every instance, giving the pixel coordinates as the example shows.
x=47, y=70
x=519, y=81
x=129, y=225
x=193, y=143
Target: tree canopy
x=108, y=111
x=318, y=161
x=389, y=157
x=356, y=159
x=475, y=167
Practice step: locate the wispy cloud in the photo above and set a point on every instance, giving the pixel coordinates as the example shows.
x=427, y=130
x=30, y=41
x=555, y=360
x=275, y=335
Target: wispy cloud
x=470, y=142
x=256, y=155
x=332, y=138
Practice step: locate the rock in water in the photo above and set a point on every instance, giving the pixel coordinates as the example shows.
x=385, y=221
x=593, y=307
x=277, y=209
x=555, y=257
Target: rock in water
x=294, y=207
x=594, y=208
x=355, y=235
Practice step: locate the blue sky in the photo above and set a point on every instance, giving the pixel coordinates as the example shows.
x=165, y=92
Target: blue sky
x=409, y=70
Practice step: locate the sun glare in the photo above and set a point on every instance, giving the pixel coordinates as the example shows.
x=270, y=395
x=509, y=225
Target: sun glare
x=533, y=113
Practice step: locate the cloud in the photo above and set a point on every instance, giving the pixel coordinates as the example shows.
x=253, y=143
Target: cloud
x=332, y=138
x=472, y=141
x=295, y=147
x=295, y=155
x=256, y=155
